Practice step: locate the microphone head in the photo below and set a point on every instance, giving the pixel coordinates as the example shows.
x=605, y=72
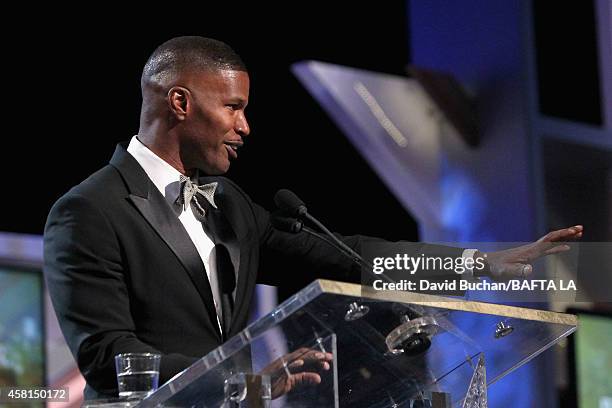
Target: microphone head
x=288, y=202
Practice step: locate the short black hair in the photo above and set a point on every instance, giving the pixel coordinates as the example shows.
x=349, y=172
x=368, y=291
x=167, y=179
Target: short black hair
x=181, y=54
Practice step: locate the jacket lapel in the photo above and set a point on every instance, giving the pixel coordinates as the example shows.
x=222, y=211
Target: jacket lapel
x=154, y=208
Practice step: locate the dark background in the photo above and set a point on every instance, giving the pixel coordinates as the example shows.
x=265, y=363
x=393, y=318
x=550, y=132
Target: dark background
x=72, y=92
x=77, y=93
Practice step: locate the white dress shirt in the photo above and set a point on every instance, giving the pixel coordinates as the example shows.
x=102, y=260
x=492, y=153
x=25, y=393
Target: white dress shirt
x=167, y=180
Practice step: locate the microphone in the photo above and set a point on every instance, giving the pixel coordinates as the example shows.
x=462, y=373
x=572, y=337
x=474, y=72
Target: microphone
x=288, y=202
x=287, y=224
x=291, y=204
x=293, y=225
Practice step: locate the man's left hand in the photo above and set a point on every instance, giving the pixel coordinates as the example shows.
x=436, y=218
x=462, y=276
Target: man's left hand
x=516, y=262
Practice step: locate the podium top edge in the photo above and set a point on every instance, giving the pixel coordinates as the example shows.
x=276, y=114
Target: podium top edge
x=355, y=290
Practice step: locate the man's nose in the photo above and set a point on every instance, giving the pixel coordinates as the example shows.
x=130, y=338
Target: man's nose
x=242, y=126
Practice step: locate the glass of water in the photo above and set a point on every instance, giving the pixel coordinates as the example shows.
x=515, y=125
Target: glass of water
x=137, y=374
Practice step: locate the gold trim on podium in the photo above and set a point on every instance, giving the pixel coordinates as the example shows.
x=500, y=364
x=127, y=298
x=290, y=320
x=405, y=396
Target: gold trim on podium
x=366, y=292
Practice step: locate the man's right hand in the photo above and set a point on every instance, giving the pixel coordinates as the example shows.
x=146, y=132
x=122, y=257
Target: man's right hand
x=296, y=369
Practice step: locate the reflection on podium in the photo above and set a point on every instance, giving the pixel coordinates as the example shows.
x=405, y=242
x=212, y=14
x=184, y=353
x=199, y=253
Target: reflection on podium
x=343, y=345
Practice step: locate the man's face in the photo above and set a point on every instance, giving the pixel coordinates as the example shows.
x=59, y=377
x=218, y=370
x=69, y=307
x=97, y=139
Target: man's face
x=215, y=123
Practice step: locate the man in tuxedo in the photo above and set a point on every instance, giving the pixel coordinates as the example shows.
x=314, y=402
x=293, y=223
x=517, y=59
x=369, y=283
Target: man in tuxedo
x=156, y=252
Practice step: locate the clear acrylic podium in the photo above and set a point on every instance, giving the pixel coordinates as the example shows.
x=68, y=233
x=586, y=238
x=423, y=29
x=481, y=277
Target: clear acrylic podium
x=387, y=349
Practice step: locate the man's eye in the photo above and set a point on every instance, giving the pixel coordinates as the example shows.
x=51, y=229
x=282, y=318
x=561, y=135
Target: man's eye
x=232, y=106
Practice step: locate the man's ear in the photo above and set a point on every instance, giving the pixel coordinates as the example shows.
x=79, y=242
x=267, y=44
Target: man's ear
x=178, y=101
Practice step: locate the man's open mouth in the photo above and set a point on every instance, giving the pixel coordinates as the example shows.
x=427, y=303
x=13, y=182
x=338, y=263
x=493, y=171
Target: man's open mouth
x=232, y=148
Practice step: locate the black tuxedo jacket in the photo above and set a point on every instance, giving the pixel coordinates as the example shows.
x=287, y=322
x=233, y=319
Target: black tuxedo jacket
x=124, y=276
